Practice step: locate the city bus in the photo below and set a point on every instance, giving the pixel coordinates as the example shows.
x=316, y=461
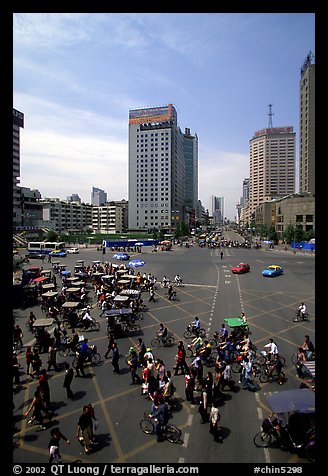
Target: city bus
x=45, y=247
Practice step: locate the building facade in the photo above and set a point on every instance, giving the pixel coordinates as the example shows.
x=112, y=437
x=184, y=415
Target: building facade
x=156, y=169
x=98, y=197
x=190, y=151
x=217, y=210
x=272, y=166
x=307, y=126
x=18, y=123
x=66, y=216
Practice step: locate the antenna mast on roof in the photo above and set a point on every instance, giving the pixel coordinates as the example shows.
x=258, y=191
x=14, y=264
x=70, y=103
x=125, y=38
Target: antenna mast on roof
x=270, y=114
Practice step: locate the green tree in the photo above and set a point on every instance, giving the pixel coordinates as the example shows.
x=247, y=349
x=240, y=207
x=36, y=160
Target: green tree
x=51, y=236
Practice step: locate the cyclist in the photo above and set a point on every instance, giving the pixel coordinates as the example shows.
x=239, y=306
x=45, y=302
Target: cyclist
x=272, y=349
x=195, y=325
x=308, y=347
x=18, y=335
x=276, y=364
x=161, y=416
x=177, y=280
x=205, y=351
x=165, y=281
x=87, y=319
x=170, y=291
x=222, y=333
x=302, y=311
x=162, y=332
x=197, y=343
x=243, y=317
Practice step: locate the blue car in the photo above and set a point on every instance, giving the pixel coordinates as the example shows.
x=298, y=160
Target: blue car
x=272, y=271
x=59, y=253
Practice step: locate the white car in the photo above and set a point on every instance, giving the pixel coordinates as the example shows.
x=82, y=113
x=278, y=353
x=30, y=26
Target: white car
x=73, y=250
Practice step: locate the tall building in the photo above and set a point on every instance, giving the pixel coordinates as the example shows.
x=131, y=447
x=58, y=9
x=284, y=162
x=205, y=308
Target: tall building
x=272, y=165
x=245, y=197
x=18, y=122
x=156, y=169
x=217, y=210
x=98, y=197
x=190, y=151
x=307, y=126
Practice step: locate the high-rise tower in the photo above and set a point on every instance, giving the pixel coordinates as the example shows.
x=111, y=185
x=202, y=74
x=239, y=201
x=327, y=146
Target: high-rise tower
x=307, y=126
x=156, y=169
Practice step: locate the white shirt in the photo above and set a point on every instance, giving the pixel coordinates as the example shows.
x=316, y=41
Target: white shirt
x=272, y=348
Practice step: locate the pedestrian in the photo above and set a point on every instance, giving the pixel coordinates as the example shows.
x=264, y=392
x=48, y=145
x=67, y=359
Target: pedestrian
x=83, y=431
x=69, y=374
x=115, y=358
x=36, y=364
x=221, y=254
x=37, y=406
x=45, y=389
x=28, y=359
x=190, y=387
x=246, y=374
x=208, y=385
x=214, y=420
x=181, y=363
x=52, y=356
x=16, y=368
x=141, y=350
x=18, y=335
x=80, y=360
x=104, y=307
x=202, y=407
x=151, y=294
x=53, y=445
x=111, y=340
x=93, y=421
x=227, y=378
x=49, y=258
x=197, y=364
x=133, y=366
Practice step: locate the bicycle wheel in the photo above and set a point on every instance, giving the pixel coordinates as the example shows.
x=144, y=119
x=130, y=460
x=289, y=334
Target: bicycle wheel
x=169, y=341
x=262, y=440
x=264, y=377
x=213, y=343
x=155, y=342
x=135, y=328
x=95, y=359
x=95, y=326
x=309, y=446
x=202, y=332
x=172, y=433
x=147, y=426
x=294, y=358
x=257, y=369
x=262, y=360
x=74, y=364
x=235, y=367
x=187, y=334
x=189, y=353
x=63, y=351
x=127, y=359
x=139, y=315
x=282, y=360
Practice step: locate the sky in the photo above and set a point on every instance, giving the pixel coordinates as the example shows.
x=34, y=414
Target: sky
x=77, y=75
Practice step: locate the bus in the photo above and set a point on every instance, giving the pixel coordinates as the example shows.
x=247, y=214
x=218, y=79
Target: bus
x=45, y=247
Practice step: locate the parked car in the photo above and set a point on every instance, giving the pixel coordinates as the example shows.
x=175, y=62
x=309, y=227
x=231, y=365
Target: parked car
x=60, y=253
x=272, y=271
x=241, y=268
x=73, y=250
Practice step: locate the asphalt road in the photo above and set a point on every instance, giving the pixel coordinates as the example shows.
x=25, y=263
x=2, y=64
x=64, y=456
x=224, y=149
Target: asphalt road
x=211, y=292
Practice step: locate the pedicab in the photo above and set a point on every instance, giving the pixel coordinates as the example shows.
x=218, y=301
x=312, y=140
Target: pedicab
x=121, y=321
x=42, y=336
x=290, y=424
x=237, y=325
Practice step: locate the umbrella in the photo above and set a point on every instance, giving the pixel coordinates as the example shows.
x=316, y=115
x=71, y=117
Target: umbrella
x=165, y=242
x=139, y=244
x=136, y=262
x=41, y=278
x=120, y=256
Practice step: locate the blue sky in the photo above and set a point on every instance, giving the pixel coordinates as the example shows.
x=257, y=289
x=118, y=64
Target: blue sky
x=76, y=75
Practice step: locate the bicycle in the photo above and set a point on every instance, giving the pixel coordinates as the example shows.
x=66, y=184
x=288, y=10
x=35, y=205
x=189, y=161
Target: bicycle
x=265, y=357
x=171, y=297
x=300, y=316
x=270, y=436
x=93, y=326
x=94, y=358
x=162, y=341
x=271, y=375
x=170, y=432
x=191, y=332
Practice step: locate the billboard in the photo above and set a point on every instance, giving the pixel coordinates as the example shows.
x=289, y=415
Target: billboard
x=151, y=114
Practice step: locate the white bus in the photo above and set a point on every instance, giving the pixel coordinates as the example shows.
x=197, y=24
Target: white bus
x=45, y=247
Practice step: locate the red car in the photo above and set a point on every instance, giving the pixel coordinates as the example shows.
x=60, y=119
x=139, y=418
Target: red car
x=241, y=268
